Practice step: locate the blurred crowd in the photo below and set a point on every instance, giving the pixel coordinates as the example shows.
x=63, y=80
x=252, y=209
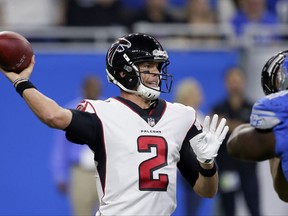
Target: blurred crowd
x=238, y=13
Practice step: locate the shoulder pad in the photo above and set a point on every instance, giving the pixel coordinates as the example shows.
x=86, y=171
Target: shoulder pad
x=86, y=106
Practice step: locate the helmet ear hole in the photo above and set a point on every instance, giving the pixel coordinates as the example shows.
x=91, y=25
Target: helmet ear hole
x=130, y=81
x=122, y=74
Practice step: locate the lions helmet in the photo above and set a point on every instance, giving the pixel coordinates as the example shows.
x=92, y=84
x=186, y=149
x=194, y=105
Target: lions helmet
x=274, y=77
x=123, y=56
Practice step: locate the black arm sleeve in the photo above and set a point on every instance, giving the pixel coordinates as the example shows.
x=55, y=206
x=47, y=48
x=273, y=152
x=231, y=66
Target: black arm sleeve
x=85, y=128
x=188, y=164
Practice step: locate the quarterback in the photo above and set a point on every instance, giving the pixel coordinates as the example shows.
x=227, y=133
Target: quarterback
x=138, y=139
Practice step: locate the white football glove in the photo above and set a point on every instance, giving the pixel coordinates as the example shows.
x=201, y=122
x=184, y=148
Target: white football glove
x=206, y=144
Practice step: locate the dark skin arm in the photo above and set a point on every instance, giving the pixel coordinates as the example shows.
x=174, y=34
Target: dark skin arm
x=250, y=144
x=279, y=182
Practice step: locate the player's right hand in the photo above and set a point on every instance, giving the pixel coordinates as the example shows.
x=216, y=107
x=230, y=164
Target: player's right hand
x=26, y=73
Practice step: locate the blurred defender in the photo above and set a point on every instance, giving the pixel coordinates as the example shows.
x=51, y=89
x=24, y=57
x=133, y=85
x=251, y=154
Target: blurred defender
x=265, y=138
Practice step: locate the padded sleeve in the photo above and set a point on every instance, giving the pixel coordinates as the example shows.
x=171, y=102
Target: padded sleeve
x=84, y=128
x=188, y=164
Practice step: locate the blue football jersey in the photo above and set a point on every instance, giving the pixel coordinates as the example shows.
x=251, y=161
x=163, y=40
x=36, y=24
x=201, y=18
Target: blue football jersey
x=271, y=112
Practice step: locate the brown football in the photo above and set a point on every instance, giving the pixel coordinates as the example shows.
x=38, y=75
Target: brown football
x=15, y=51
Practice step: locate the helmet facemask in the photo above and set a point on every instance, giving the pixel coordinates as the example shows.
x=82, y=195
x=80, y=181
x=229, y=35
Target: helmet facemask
x=281, y=82
x=275, y=74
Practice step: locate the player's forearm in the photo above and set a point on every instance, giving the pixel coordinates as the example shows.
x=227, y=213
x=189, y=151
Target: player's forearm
x=46, y=109
x=279, y=181
x=207, y=182
x=207, y=186
x=248, y=143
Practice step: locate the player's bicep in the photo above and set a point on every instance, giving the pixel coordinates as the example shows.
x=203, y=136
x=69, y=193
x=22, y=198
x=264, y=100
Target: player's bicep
x=248, y=143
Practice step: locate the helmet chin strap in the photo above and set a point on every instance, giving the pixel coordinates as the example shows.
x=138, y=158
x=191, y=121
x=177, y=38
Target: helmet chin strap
x=147, y=93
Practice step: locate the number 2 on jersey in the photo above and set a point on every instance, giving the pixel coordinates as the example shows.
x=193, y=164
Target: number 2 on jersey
x=146, y=180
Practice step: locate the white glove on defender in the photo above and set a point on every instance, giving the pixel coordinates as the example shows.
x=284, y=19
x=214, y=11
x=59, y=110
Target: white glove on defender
x=206, y=144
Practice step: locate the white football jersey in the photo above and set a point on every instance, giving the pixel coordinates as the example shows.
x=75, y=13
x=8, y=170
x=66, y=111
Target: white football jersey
x=137, y=154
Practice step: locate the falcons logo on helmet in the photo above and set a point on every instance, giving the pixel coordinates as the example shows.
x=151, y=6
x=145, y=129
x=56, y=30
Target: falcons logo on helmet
x=118, y=46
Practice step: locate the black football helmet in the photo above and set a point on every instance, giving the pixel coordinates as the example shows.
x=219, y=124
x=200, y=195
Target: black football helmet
x=123, y=56
x=274, y=77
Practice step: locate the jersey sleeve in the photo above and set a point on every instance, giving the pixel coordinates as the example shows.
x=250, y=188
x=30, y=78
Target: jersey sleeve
x=82, y=135
x=270, y=111
x=84, y=128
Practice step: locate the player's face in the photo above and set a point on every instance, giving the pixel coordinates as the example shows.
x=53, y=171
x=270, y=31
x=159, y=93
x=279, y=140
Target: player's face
x=281, y=81
x=149, y=74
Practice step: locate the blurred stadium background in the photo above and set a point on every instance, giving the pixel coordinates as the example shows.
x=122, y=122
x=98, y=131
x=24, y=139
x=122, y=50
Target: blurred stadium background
x=65, y=54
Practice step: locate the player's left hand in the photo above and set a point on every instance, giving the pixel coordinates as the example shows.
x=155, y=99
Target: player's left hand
x=206, y=144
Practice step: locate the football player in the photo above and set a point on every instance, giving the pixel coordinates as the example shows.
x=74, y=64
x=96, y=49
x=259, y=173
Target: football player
x=137, y=138
x=265, y=138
